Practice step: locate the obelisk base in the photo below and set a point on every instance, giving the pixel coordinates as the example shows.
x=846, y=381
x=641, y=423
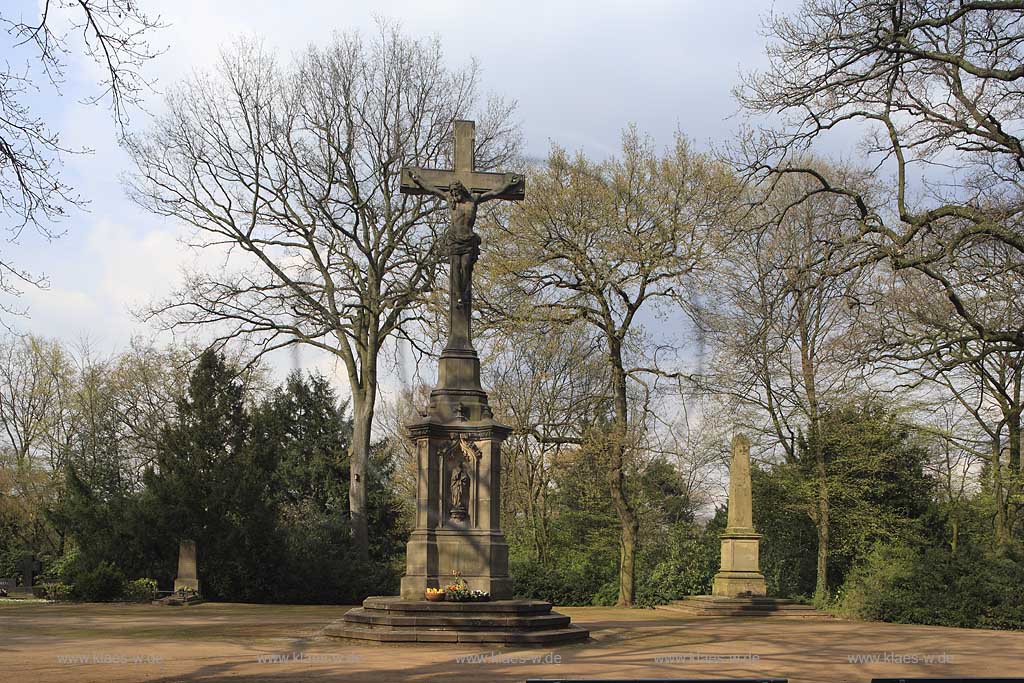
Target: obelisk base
x=740, y=573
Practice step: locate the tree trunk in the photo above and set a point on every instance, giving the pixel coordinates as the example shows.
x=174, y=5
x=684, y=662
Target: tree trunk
x=821, y=584
x=821, y=515
x=1013, y=475
x=998, y=492
x=363, y=403
x=630, y=523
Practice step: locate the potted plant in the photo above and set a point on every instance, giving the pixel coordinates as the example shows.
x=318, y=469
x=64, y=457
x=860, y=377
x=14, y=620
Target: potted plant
x=434, y=594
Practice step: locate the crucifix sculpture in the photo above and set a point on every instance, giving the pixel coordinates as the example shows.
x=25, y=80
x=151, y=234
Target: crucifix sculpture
x=458, y=441
x=464, y=189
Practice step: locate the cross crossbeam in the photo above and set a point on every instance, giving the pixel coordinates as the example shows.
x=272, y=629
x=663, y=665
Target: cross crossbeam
x=477, y=182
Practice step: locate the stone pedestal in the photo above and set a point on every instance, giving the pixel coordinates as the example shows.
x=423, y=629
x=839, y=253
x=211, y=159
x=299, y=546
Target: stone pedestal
x=458, y=501
x=457, y=529
x=717, y=606
x=740, y=572
x=505, y=622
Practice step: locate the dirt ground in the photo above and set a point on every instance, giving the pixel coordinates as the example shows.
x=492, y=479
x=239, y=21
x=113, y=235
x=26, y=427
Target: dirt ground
x=273, y=643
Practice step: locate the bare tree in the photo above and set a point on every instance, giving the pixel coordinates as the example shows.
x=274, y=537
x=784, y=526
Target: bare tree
x=112, y=33
x=547, y=382
x=294, y=172
x=594, y=243
x=778, y=320
x=935, y=88
x=957, y=450
x=36, y=376
x=916, y=335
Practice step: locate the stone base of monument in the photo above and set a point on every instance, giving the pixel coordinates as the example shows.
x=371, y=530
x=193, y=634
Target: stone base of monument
x=507, y=622
x=180, y=599
x=741, y=606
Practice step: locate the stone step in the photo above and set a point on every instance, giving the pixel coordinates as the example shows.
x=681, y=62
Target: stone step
x=571, y=634
x=398, y=605
x=470, y=621
x=510, y=622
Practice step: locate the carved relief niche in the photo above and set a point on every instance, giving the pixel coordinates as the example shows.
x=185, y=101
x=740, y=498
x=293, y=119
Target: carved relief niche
x=459, y=481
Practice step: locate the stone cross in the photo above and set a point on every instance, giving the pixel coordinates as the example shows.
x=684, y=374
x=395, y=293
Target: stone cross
x=458, y=441
x=464, y=188
x=30, y=566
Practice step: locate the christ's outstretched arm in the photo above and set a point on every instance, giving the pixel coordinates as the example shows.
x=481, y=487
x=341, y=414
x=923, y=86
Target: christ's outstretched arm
x=424, y=185
x=513, y=181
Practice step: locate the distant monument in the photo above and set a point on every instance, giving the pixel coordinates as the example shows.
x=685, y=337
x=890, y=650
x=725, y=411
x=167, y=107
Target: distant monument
x=14, y=587
x=30, y=569
x=186, y=582
x=739, y=586
x=187, y=578
x=740, y=572
x=458, y=446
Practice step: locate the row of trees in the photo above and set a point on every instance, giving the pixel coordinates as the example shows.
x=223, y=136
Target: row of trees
x=121, y=458
x=638, y=309
x=796, y=273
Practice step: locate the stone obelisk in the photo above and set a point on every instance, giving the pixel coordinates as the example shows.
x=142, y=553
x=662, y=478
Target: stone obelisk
x=740, y=573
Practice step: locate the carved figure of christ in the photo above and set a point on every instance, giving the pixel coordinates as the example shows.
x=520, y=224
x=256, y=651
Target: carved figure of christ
x=464, y=188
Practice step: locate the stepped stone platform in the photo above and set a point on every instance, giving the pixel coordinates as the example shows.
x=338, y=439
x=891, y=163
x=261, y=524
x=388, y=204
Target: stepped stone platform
x=509, y=622
x=178, y=600
x=757, y=606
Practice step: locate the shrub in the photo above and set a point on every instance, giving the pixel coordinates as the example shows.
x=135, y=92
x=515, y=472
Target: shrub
x=687, y=567
x=575, y=580
x=63, y=567
x=55, y=591
x=140, y=590
x=908, y=585
x=101, y=583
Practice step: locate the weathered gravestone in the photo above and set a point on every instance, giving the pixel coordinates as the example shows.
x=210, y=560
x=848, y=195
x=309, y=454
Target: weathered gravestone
x=187, y=578
x=458, y=451
x=186, y=582
x=21, y=586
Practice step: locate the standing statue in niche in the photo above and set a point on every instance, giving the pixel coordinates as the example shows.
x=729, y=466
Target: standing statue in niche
x=460, y=492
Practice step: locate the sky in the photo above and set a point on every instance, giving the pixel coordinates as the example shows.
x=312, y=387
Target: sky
x=579, y=72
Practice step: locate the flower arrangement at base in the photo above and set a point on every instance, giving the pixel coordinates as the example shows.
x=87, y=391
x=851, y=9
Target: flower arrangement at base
x=434, y=594
x=458, y=590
